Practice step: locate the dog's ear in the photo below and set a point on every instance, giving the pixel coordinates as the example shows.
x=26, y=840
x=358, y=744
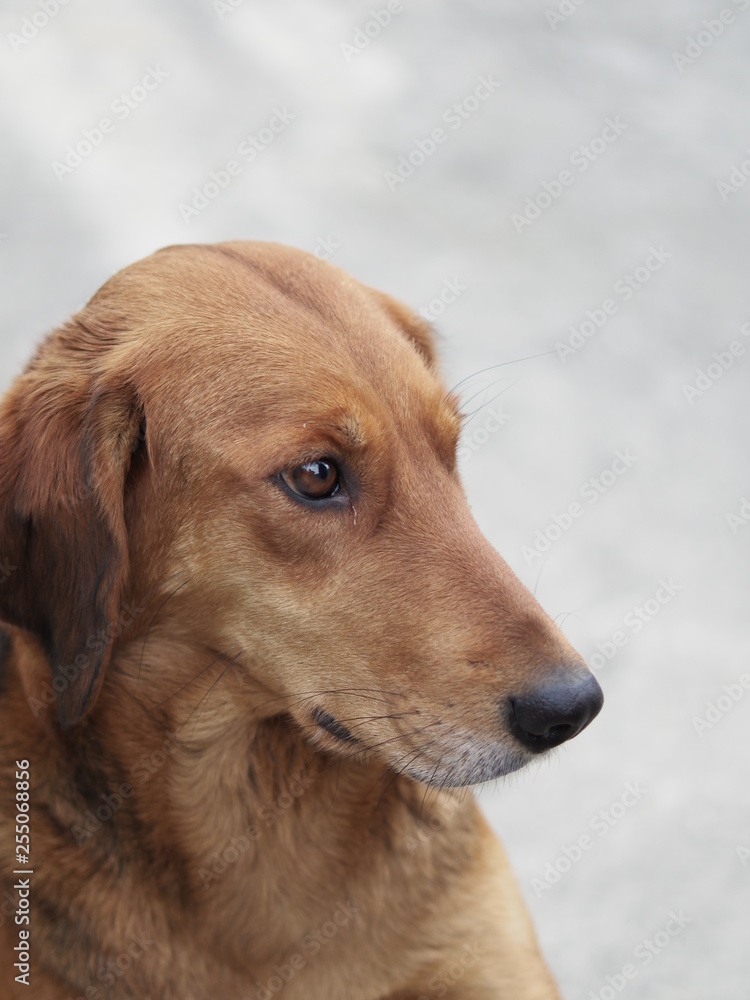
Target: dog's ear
x=67, y=436
x=416, y=329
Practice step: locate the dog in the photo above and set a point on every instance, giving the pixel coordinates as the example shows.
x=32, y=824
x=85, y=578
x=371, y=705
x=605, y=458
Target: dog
x=254, y=650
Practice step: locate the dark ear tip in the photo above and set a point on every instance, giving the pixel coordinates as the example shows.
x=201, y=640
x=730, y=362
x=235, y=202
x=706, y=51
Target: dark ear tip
x=78, y=697
x=69, y=714
x=66, y=721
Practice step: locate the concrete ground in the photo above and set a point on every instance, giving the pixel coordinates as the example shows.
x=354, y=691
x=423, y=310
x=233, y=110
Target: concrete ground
x=561, y=186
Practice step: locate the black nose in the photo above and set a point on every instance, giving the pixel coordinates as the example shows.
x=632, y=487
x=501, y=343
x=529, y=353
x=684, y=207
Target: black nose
x=556, y=710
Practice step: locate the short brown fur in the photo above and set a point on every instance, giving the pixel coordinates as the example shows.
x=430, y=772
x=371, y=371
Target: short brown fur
x=196, y=620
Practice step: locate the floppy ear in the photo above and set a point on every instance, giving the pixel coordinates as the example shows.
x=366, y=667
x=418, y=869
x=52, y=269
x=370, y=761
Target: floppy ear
x=66, y=441
x=417, y=329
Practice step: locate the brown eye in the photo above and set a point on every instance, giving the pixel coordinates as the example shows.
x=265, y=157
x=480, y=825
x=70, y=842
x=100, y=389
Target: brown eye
x=316, y=480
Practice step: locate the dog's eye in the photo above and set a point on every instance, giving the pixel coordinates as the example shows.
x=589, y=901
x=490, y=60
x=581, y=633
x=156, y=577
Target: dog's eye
x=316, y=480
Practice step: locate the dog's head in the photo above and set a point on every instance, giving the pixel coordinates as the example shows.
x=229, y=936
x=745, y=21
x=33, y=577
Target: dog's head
x=254, y=423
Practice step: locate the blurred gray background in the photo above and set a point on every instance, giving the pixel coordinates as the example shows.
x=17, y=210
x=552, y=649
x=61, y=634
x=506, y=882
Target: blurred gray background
x=587, y=188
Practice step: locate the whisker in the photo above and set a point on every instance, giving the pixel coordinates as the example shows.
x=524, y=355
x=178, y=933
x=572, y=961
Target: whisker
x=502, y=364
x=357, y=692
x=402, y=736
x=394, y=777
x=566, y=615
x=443, y=782
x=484, y=388
x=210, y=691
x=151, y=625
x=427, y=789
x=335, y=787
x=364, y=718
x=220, y=656
x=470, y=416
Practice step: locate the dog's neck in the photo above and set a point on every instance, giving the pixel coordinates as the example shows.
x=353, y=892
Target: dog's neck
x=201, y=810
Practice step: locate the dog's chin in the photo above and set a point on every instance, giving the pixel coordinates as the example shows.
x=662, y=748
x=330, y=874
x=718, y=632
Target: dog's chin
x=470, y=767
x=462, y=758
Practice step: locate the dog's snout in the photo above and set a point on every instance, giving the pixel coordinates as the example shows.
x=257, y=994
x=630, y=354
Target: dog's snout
x=555, y=711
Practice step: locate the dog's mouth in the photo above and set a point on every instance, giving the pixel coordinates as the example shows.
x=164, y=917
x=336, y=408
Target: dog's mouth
x=466, y=744
x=331, y=725
x=456, y=759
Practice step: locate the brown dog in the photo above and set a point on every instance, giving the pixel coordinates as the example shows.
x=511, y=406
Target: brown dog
x=252, y=641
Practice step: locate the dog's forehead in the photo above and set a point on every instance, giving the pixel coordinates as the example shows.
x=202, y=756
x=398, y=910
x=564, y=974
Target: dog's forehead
x=257, y=329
